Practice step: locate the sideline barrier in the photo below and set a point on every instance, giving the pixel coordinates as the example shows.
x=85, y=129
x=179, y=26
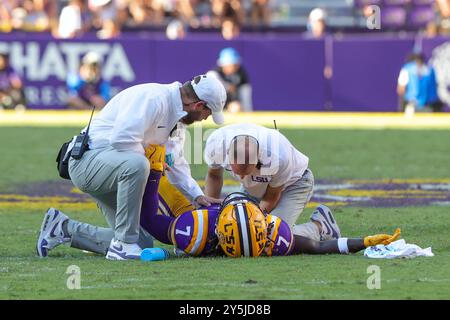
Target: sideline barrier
x=300, y=120
x=286, y=71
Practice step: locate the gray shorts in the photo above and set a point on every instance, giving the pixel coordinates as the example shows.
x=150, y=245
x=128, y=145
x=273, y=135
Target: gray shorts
x=294, y=198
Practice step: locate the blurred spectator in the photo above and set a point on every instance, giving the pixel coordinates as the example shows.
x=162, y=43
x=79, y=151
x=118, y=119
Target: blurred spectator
x=6, y=9
x=229, y=15
x=444, y=16
x=316, y=23
x=87, y=89
x=11, y=87
x=109, y=15
x=235, y=79
x=417, y=87
x=74, y=20
x=175, y=30
x=184, y=11
x=260, y=13
x=230, y=29
x=203, y=12
x=33, y=17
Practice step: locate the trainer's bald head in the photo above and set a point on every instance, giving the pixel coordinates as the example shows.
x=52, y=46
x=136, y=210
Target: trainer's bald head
x=243, y=154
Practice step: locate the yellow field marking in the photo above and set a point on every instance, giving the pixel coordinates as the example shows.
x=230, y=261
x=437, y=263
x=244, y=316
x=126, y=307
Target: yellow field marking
x=391, y=194
x=19, y=197
x=396, y=181
x=81, y=206
x=362, y=120
x=13, y=201
x=314, y=205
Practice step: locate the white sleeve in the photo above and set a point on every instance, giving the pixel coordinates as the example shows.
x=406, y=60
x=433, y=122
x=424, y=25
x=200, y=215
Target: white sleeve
x=179, y=174
x=282, y=174
x=215, y=152
x=403, y=78
x=134, y=117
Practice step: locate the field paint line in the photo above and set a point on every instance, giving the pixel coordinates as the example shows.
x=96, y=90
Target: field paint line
x=353, y=120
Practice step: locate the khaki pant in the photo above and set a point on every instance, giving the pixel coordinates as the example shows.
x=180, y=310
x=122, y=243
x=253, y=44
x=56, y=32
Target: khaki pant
x=116, y=180
x=292, y=203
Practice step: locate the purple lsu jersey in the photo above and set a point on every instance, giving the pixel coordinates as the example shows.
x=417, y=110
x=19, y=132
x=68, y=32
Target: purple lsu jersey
x=280, y=239
x=194, y=231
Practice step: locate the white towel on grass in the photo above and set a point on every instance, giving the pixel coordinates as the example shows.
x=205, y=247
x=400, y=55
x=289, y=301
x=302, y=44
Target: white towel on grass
x=397, y=249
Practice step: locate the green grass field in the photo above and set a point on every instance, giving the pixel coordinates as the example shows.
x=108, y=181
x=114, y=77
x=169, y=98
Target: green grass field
x=28, y=156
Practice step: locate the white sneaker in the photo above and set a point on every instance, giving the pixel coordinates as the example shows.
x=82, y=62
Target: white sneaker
x=330, y=229
x=51, y=233
x=119, y=250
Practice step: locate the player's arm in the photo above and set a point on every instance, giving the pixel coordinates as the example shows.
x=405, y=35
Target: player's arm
x=270, y=198
x=214, y=182
x=342, y=245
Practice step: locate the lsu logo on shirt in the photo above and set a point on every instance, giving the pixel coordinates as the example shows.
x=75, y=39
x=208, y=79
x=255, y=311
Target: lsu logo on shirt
x=260, y=179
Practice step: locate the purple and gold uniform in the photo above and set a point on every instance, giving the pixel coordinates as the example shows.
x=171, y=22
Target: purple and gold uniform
x=172, y=202
x=176, y=221
x=194, y=231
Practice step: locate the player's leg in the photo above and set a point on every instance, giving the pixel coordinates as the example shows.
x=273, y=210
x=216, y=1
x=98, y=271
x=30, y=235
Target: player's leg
x=341, y=245
x=155, y=224
x=171, y=201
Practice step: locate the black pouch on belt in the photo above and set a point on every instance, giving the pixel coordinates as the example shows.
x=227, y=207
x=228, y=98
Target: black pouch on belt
x=62, y=161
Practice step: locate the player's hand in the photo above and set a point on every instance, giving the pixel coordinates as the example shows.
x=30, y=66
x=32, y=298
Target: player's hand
x=156, y=155
x=206, y=201
x=382, y=238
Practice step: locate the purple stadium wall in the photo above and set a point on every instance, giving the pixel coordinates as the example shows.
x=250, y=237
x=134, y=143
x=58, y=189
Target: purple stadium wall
x=287, y=72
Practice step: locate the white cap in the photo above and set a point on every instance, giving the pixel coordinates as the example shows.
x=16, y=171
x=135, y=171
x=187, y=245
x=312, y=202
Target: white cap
x=91, y=57
x=209, y=89
x=317, y=14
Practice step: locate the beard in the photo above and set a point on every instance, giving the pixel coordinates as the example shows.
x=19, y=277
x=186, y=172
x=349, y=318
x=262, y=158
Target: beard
x=191, y=117
x=187, y=119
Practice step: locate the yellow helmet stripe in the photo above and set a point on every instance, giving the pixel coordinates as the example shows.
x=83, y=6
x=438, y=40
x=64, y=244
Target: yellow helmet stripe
x=194, y=234
x=242, y=220
x=275, y=228
x=199, y=235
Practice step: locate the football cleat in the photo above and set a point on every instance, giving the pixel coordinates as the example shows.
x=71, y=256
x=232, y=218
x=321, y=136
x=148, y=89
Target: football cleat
x=330, y=229
x=156, y=155
x=51, y=233
x=119, y=250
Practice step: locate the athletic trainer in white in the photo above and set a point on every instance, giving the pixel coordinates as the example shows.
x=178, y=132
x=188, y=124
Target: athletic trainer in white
x=51, y=233
x=119, y=250
x=330, y=229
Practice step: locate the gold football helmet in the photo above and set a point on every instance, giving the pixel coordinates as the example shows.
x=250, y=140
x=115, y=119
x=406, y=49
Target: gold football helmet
x=241, y=228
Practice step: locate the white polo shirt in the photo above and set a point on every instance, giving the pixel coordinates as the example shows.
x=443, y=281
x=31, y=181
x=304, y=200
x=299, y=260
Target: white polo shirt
x=138, y=116
x=179, y=173
x=281, y=163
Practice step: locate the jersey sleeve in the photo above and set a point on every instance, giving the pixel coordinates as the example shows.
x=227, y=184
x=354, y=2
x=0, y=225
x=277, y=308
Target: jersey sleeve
x=179, y=173
x=215, y=152
x=133, y=119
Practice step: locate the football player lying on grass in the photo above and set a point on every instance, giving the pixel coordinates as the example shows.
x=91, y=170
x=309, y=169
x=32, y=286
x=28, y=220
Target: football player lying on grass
x=236, y=228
